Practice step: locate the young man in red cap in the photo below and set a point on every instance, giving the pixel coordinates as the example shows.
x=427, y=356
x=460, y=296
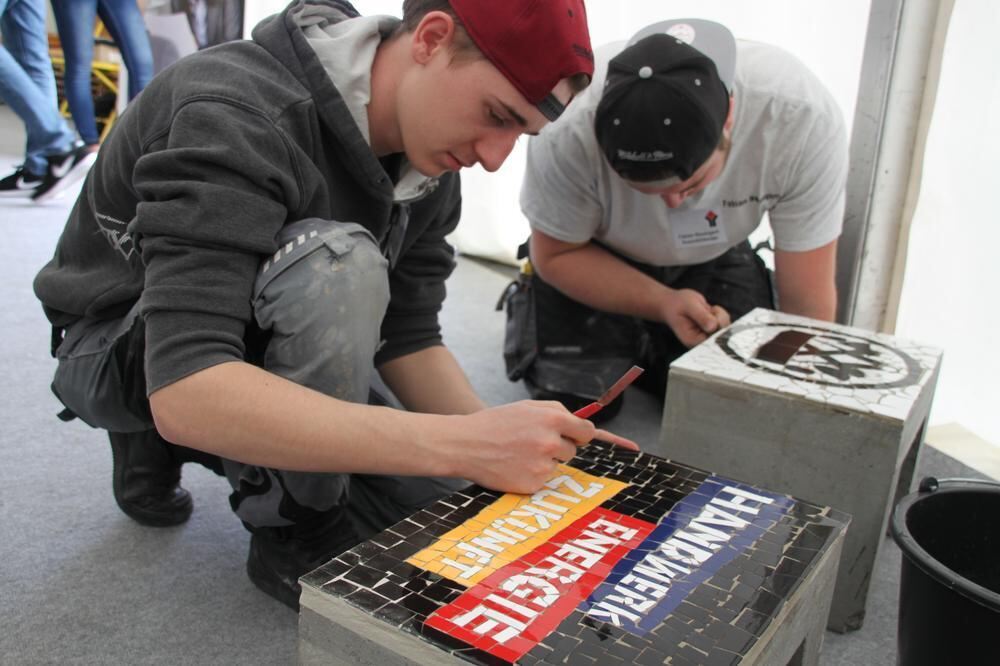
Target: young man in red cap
x=261, y=245
x=642, y=196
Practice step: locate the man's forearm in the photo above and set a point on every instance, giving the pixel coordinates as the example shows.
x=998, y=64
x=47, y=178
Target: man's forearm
x=241, y=412
x=806, y=282
x=820, y=304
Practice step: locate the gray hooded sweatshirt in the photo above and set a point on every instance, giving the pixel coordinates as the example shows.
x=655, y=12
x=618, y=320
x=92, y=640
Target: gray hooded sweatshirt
x=217, y=154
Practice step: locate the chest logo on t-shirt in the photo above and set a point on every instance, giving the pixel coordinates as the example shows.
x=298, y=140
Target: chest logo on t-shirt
x=697, y=227
x=767, y=199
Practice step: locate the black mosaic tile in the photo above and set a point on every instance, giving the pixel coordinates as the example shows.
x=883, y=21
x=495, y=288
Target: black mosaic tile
x=385, y=539
x=417, y=584
x=364, y=575
x=406, y=571
x=624, y=558
x=367, y=550
x=350, y=558
x=382, y=562
x=393, y=614
x=650, y=656
x=406, y=528
x=419, y=604
x=391, y=590
x=722, y=658
x=803, y=555
x=329, y=571
x=366, y=600
x=685, y=653
x=765, y=603
x=752, y=622
x=788, y=566
x=725, y=614
x=699, y=641
x=339, y=588
x=441, y=592
x=736, y=640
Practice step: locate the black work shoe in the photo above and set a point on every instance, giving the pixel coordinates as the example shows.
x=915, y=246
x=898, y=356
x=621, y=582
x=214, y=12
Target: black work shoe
x=279, y=556
x=64, y=170
x=21, y=183
x=146, y=479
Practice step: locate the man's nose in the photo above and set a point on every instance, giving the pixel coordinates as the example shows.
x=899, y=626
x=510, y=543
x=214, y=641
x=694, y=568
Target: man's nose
x=491, y=151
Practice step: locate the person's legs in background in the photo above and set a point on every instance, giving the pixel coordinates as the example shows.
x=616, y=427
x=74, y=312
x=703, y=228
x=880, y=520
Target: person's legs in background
x=124, y=21
x=27, y=85
x=75, y=21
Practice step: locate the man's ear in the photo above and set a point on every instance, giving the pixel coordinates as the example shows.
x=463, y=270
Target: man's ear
x=434, y=33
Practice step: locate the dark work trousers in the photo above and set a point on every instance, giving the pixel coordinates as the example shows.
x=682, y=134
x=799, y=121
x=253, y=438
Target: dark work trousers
x=582, y=351
x=321, y=298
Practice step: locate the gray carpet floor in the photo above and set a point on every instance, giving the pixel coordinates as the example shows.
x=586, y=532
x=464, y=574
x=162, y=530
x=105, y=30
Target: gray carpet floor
x=80, y=583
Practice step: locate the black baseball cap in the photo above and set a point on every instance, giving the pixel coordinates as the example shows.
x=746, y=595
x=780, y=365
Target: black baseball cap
x=666, y=99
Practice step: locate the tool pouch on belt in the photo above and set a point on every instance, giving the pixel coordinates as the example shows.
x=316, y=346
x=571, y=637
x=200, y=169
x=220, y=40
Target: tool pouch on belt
x=520, y=346
x=560, y=346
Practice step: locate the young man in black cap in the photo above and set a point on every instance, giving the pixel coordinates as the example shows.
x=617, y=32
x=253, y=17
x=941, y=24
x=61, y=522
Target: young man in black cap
x=642, y=196
x=264, y=228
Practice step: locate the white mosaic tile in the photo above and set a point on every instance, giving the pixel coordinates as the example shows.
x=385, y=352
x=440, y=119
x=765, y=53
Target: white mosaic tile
x=818, y=361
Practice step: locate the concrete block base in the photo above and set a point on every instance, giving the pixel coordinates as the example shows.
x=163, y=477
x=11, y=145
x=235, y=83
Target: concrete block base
x=827, y=413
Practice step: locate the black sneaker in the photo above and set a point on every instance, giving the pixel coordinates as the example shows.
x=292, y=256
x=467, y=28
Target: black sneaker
x=146, y=479
x=64, y=170
x=21, y=183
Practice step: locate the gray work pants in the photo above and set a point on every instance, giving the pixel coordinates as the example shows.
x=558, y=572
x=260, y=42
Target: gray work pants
x=322, y=297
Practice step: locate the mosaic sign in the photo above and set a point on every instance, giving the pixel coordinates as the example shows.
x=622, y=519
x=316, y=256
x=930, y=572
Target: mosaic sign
x=829, y=364
x=621, y=555
x=819, y=355
x=513, y=526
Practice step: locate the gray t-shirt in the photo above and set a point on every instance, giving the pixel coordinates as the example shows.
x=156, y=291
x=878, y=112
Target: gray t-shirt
x=788, y=159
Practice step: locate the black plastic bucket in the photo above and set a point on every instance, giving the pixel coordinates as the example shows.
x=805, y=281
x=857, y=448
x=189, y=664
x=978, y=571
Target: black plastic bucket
x=949, y=591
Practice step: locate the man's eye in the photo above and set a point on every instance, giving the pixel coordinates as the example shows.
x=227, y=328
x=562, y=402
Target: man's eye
x=496, y=119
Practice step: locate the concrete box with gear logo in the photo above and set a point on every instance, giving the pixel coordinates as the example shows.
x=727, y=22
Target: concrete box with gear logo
x=833, y=414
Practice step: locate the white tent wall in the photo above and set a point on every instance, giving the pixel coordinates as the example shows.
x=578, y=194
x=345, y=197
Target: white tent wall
x=947, y=297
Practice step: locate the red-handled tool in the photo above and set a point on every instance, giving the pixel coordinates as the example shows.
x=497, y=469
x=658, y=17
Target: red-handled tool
x=589, y=410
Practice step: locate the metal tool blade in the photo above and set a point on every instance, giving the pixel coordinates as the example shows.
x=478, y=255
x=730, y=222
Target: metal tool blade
x=611, y=393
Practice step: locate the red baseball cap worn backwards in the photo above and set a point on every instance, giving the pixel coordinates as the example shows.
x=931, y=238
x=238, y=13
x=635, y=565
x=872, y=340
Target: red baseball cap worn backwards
x=535, y=43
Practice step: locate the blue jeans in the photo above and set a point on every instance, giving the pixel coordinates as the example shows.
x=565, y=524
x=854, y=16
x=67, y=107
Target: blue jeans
x=75, y=21
x=27, y=83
